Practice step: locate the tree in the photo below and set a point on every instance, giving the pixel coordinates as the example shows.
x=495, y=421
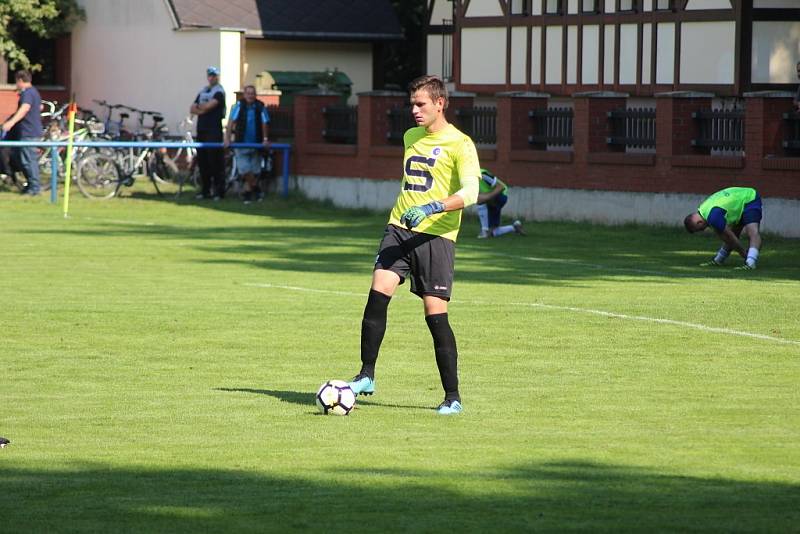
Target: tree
x=45, y=19
x=403, y=61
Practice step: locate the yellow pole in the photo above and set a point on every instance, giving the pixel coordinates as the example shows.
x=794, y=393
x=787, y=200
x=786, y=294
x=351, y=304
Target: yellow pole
x=68, y=171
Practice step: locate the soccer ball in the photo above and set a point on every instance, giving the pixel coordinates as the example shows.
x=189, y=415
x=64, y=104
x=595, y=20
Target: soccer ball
x=336, y=397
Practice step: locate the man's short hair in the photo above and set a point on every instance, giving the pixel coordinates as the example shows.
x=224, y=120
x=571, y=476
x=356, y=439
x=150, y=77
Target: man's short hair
x=246, y=87
x=433, y=85
x=688, y=223
x=24, y=75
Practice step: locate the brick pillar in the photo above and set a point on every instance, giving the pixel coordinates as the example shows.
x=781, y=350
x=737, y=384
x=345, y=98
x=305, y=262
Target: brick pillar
x=764, y=126
x=513, y=123
x=675, y=127
x=591, y=126
x=308, y=119
x=458, y=99
x=373, y=117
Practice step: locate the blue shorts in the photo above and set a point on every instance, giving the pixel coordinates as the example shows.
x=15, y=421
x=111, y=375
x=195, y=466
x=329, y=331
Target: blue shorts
x=494, y=207
x=248, y=161
x=752, y=211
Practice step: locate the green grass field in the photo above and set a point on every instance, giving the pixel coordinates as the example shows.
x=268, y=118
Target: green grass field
x=159, y=361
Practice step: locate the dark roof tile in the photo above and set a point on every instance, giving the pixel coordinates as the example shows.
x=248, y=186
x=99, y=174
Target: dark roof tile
x=319, y=20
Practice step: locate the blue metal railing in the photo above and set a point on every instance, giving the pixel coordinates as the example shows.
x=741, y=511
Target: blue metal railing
x=55, y=145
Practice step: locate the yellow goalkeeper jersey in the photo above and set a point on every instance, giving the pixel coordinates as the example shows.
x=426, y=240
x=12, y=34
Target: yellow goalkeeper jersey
x=435, y=166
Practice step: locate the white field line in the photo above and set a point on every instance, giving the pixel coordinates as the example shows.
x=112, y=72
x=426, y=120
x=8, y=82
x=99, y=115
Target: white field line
x=683, y=324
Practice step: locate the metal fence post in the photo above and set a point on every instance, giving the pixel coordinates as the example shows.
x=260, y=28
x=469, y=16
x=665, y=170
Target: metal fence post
x=285, y=158
x=53, y=175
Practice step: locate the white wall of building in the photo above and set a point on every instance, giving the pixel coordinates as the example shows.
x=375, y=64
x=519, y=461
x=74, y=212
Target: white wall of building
x=776, y=51
x=647, y=40
x=708, y=4
x=536, y=54
x=590, y=61
x=777, y=4
x=553, y=59
x=715, y=65
x=519, y=54
x=127, y=52
x=628, y=47
x=483, y=55
x=572, y=54
x=442, y=10
x=665, y=53
x=609, y=53
x=354, y=59
x=484, y=8
x=434, y=55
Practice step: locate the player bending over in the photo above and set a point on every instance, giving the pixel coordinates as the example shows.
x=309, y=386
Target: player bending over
x=440, y=178
x=730, y=212
x=492, y=196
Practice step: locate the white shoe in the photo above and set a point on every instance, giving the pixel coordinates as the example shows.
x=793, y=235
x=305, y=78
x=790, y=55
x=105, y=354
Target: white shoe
x=518, y=228
x=484, y=234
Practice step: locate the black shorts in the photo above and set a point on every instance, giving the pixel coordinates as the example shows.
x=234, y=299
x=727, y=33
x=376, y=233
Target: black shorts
x=428, y=259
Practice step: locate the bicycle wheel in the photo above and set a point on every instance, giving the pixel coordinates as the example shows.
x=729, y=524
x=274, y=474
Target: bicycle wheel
x=165, y=170
x=98, y=176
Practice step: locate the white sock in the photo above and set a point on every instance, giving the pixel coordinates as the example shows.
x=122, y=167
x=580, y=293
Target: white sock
x=722, y=255
x=502, y=230
x=483, y=215
x=752, y=257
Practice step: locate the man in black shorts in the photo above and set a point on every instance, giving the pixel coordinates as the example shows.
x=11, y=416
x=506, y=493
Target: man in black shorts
x=440, y=178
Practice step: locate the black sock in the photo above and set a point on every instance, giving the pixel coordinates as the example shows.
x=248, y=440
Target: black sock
x=444, y=345
x=373, y=326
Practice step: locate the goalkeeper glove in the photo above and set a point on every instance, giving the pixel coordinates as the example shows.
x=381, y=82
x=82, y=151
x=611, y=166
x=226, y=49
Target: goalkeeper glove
x=414, y=215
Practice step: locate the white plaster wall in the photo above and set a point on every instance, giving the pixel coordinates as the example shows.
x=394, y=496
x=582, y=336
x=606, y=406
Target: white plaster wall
x=572, y=54
x=609, y=52
x=572, y=7
x=442, y=9
x=715, y=65
x=126, y=52
x=777, y=4
x=354, y=59
x=434, y=55
x=484, y=8
x=537, y=7
x=776, y=51
x=781, y=216
x=647, y=40
x=708, y=4
x=483, y=55
x=665, y=53
x=536, y=54
x=628, y=47
x=519, y=54
x=590, y=61
x=552, y=68
x=611, y=6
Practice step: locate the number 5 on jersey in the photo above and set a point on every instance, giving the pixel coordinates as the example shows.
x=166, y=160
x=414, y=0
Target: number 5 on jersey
x=421, y=173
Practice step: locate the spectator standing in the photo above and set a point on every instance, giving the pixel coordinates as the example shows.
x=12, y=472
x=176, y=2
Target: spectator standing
x=26, y=125
x=248, y=123
x=209, y=106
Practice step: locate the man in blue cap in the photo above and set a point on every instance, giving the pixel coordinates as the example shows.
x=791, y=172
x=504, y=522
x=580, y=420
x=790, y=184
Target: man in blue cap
x=209, y=106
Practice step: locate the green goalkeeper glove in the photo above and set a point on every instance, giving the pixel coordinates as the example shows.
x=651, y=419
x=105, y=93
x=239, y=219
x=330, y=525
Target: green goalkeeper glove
x=414, y=215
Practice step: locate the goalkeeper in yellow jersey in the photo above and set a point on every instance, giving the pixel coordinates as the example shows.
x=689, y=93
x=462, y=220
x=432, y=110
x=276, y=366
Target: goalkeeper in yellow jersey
x=440, y=178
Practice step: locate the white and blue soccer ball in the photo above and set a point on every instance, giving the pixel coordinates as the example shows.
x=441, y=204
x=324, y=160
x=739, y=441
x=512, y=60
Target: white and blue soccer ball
x=335, y=397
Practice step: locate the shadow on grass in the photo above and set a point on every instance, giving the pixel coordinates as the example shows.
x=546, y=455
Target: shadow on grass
x=299, y=235
x=564, y=496
x=307, y=399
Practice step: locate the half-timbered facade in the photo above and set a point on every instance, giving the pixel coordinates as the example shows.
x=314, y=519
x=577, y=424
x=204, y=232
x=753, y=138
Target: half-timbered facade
x=640, y=47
